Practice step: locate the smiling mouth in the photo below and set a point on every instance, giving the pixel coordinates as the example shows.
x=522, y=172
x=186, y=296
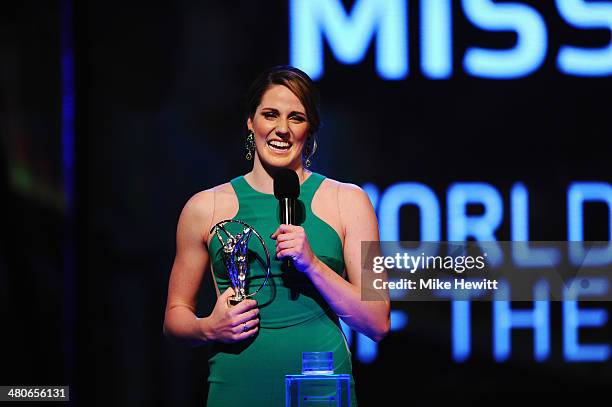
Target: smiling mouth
x=279, y=145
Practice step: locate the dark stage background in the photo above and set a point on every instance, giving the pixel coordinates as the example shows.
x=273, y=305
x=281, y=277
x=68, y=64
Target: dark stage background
x=159, y=116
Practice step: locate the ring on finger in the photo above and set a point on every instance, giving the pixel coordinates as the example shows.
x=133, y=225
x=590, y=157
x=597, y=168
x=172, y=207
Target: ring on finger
x=244, y=327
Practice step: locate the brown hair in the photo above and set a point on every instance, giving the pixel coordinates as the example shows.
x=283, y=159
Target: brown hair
x=297, y=82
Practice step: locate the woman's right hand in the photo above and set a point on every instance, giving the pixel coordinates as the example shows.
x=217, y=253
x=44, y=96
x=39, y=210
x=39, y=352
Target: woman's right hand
x=231, y=324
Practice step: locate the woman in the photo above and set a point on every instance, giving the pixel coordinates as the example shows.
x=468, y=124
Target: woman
x=257, y=343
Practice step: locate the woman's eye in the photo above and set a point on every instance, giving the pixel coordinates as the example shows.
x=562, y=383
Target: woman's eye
x=269, y=115
x=298, y=119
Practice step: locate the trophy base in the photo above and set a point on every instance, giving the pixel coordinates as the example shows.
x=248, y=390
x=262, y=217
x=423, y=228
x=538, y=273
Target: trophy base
x=231, y=301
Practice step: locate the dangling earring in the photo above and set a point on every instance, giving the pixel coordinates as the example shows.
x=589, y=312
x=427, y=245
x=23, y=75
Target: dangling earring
x=249, y=145
x=309, y=150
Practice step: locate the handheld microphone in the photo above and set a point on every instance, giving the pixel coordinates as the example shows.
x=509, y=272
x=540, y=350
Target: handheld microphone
x=287, y=191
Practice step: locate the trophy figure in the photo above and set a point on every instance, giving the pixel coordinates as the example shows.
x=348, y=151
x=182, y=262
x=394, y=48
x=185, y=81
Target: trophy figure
x=235, y=257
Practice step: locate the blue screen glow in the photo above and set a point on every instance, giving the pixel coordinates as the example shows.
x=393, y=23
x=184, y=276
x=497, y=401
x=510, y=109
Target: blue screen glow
x=384, y=25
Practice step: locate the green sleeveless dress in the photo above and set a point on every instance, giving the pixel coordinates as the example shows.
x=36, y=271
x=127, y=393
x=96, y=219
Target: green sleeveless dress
x=294, y=318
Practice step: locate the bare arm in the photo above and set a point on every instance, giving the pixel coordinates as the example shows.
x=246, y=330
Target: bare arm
x=344, y=297
x=191, y=262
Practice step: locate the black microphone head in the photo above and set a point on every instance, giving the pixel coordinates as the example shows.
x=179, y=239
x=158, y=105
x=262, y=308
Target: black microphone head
x=286, y=184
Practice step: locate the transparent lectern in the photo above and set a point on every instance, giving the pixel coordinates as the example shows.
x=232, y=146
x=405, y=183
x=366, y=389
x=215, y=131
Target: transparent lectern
x=318, y=385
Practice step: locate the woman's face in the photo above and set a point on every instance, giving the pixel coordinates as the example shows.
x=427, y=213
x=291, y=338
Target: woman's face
x=281, y=128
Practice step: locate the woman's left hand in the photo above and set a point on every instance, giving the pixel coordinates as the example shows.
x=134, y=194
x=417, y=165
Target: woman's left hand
x=291, y=242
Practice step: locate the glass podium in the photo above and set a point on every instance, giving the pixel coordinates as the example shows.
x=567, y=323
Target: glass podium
x=317, y=386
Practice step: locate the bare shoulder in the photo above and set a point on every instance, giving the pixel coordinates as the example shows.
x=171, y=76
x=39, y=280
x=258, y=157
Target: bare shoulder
x=357, y=213
x=201, y=206
x=347, y=193
x=353, y=202
x=222, y=192
x=352, y=196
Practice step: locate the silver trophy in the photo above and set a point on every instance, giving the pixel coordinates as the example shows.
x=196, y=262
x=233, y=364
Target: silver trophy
x=235, y=257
